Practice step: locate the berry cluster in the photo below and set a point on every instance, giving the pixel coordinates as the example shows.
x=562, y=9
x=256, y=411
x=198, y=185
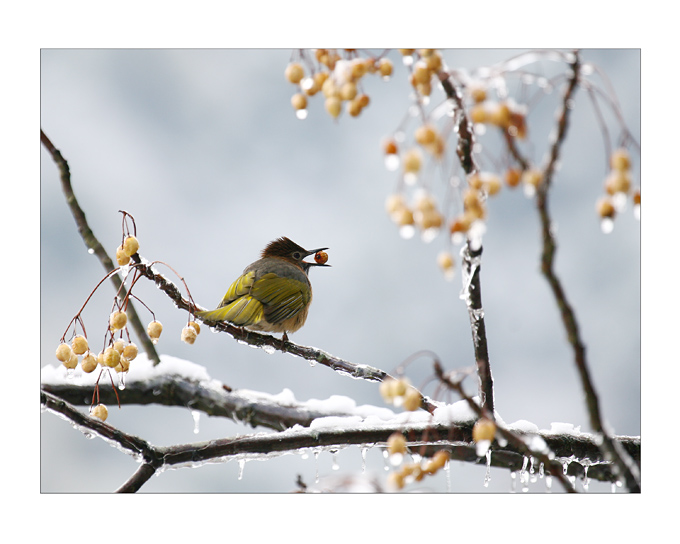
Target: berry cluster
x=414, y=471
x=118, y=350
x=337, y=74
x=618, y=186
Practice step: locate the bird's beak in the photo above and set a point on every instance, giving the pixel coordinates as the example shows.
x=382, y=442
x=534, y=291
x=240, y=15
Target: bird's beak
x=312, y=252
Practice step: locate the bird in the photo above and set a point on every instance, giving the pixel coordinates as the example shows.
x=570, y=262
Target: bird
x=274, y=293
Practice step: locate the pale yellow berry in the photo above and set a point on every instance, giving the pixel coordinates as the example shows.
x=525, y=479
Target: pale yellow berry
x=385, y=67
x=421, y=75
x=491, y=183
x=386, y=390
x=479, y=114
x=430, y=219
x=294, y=72
x=130, y=351
x=618, y=181
x=394, y=205
x=111, y=357
x=484, y=429
x=413, y=160
x=100, y=412
x=154, y=330
x=64, y=352
x=123, y=365
x=100, y=358
x=445, y=260
x=348, y=91
x=299, y=101
x=425, y=202
x=330, y=89
x=188, y=335
x=130, y=246
x=532, y=177
x=426, y=135
x=620, y=160
x=119, y=345
x=117, y=321
x=404, y=217
x=395, y=480
x=396, y=443
x=122, y=258
x=196, y=326
x=411, y=399
x=89, y=362
x=72, y=362
x=333, y=106
x=500, y=114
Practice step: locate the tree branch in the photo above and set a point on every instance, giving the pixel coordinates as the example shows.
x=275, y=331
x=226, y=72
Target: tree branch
x=625, y=466
x=422, y=438
x=472, y=256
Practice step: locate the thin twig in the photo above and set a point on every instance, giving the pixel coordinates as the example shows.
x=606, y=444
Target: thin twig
x=627, y=468
x=93, y=243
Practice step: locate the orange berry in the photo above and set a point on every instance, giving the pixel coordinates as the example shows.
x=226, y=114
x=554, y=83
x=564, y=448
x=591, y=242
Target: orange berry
x=605, y=208
x=321, y=257
x=390, y=147
x=512, y=177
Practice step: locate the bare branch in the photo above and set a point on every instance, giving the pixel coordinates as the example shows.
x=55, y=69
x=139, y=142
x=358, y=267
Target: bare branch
x=626, y=467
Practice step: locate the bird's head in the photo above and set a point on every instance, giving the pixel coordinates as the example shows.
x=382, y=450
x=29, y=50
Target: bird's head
x=286, y=249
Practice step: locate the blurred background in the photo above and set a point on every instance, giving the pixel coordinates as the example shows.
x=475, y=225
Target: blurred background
x=203, y=148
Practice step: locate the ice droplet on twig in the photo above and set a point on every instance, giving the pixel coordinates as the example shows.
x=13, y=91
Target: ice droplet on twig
x=197, y=417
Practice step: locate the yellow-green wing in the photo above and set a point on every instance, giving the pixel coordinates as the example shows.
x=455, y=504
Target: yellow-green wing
x=282, y=297
x=237, y=306
x=243, y=311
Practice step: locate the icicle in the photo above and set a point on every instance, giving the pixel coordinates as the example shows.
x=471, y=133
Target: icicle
x=487, y=476
x=197, y=417
x=241, y=465
x=335, y=465
x=316, y=462
x=364, y=451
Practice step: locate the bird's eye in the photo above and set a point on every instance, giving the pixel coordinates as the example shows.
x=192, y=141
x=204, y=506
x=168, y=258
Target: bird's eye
x=297, y=256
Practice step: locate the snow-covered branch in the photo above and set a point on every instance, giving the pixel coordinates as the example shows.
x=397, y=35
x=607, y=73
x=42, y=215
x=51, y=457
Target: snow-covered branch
x=333, y=423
